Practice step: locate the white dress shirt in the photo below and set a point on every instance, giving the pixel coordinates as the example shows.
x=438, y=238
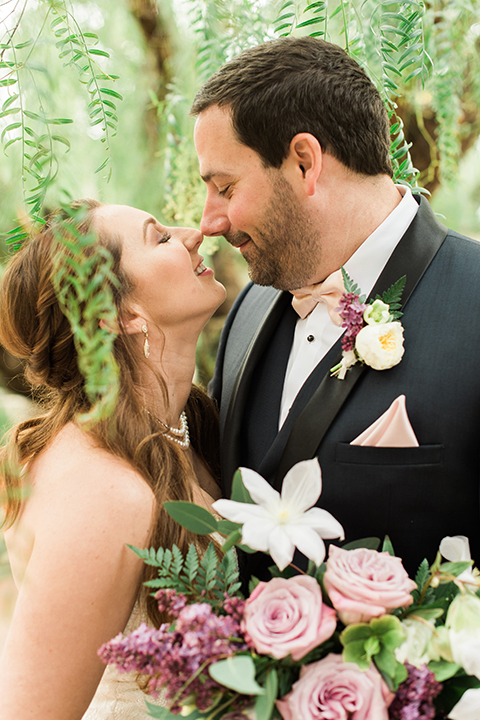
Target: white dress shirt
x=316, y=334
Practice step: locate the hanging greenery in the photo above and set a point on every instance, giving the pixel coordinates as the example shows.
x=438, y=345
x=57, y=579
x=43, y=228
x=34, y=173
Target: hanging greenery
x=79, y=53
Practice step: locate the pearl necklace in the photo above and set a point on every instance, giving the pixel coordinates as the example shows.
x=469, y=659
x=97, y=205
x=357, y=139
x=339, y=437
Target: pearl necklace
x=179, y=435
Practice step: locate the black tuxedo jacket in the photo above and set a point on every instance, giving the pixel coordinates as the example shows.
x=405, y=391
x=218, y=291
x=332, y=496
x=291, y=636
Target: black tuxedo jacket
x=415, y=495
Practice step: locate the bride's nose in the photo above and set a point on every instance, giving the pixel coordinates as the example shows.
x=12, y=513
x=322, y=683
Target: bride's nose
x=191, y=238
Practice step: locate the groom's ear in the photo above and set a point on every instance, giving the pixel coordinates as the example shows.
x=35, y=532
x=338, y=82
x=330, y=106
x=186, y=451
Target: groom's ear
x=304, y=161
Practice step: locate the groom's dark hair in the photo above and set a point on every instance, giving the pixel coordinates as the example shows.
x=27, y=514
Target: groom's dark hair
x=293, y=85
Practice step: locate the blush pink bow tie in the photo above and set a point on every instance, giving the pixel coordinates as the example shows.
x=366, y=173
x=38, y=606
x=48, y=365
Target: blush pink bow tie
x=329, y=292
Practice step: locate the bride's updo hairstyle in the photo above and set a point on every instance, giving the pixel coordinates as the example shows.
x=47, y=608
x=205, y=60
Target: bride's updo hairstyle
x=34, y=328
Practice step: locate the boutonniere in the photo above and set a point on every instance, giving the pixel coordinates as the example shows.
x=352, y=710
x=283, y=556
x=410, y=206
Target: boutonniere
x=373, y=335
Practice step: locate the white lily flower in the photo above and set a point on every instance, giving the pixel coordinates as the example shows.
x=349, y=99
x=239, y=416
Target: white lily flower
x=279, y=523
x=468, y=707
x=456, y=548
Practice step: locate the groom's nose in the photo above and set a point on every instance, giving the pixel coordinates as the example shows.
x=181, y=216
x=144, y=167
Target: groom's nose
x=215, y=216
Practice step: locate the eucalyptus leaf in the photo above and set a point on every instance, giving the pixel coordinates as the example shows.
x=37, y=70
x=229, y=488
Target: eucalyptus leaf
x=192, y=517
x=237, y=673
x=265, y=703
x=371, y=543
x=159, y=712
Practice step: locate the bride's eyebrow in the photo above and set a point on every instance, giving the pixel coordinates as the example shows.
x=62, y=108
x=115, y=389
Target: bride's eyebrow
x=148, y=222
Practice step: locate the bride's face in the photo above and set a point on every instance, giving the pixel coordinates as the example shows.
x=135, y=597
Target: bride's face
x=172, y=286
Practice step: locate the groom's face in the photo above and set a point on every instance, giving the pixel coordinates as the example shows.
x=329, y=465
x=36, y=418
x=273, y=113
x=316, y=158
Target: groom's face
x=255, y=208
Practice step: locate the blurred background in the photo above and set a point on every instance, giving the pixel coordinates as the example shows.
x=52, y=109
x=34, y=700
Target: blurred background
x=94, y=100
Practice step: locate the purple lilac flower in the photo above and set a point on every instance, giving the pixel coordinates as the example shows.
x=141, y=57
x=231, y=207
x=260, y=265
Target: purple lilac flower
x=170, y=601
x=351, y=311
x=414, y=698
x=234, y=606
x=171, y=656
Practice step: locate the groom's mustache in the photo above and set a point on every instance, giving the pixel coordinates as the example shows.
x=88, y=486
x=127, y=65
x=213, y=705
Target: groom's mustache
x=237, y=238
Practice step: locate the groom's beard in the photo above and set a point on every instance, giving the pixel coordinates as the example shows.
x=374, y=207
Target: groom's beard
x=286, y=252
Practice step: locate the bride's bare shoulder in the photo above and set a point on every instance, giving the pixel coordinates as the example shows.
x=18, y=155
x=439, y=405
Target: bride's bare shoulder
x=74, y=465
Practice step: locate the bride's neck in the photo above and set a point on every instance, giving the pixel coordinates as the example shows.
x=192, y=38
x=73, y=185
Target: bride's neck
x=174, y=360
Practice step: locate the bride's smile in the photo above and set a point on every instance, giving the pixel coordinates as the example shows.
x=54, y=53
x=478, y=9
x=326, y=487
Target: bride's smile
x=172, y=286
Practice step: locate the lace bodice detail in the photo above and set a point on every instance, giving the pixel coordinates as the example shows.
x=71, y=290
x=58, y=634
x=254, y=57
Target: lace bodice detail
x=118, y=696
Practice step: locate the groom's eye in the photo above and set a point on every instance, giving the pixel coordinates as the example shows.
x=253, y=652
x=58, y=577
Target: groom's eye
x=224, y=191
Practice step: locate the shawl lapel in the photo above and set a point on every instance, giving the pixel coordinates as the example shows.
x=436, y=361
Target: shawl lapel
x=239, y=395
x=411, y=257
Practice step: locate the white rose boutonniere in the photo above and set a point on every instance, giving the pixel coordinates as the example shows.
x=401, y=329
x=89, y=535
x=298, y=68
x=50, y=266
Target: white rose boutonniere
x=373, y=335
x=380, y=346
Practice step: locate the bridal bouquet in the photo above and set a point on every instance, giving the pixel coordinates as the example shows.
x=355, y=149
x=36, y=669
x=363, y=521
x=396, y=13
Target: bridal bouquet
x=352, y=638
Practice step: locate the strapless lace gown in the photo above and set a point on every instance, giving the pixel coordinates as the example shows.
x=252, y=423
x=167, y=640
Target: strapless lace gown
x=118, y=696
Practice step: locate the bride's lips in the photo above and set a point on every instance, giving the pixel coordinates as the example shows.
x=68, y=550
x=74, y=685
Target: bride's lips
x=202, y=269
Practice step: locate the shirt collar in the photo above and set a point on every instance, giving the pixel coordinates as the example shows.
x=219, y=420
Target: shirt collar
x=367, y=263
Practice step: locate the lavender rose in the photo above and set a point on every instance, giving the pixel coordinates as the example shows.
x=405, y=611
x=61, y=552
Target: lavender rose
x=285, y=617
x=363, y=584
x=336, y=690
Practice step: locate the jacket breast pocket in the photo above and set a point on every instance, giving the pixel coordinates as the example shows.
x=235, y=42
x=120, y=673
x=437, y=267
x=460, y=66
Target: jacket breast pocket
x=423, y=455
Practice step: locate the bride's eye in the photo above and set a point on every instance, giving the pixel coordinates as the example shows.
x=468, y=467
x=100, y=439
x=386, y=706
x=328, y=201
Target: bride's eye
x=164, y=237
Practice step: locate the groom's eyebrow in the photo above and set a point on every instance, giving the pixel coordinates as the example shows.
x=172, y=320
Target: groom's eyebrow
x=147, y=222
x=210, y=175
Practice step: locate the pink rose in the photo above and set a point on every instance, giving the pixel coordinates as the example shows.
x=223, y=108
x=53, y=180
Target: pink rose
x=285, y=617
x=363, y=584
x=333, y=689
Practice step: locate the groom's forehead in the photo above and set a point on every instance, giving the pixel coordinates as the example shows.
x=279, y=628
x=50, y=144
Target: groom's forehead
x=218, y=148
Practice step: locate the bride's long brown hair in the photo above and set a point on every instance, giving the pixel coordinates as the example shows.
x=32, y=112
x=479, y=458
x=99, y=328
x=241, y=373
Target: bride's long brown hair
x=34, y=328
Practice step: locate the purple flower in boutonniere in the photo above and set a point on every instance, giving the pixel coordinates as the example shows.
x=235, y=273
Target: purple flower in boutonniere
x=373, y=335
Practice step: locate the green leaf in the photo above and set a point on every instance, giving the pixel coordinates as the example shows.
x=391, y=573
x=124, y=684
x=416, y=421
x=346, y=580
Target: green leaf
x=350, y=286
x=95, y=51
x=442, y=669
x=32, y=115
x=192, y=517
x=161, y=713
x=426, y=613
x=64, y=141
x=113, y=93
x=372, y=646
x=10, y=111
x=59, y=121
x=394, y=293
x=387, y=546
x=22, y=45
x=233, y=539
x=386, y=662
x=9, y=101
x=455, y=568
x=371, y=543
x=225, y=527
x=237, y=673
x=311, y=21
x=239, y=491
x=7, y=82
x=265, y=703
x=13, y=126
x=105, y=162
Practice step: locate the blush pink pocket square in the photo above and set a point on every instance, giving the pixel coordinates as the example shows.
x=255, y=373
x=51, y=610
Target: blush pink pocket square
x=392, y=429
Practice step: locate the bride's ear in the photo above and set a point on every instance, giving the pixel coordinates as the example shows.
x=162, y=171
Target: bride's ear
x=132, y=321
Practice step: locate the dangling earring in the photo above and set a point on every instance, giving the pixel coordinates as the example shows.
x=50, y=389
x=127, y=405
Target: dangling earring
x=146, y=345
